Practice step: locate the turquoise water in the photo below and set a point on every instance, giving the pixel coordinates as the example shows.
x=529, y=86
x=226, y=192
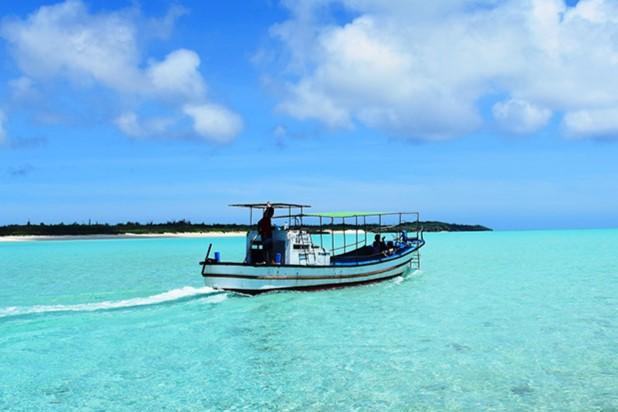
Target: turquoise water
x=494, y=321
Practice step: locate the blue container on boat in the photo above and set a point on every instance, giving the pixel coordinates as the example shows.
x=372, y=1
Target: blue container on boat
x=278, y=258
x=217, y=256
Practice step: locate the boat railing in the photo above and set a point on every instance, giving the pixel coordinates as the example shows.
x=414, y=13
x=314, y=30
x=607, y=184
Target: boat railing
x=357, y=245
x=350, y=228
x=331, y=225
x=359, y=223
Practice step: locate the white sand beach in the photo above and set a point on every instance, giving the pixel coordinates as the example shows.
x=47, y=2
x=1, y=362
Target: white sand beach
x=347, y=231
x=123, y=236
x=142, y=236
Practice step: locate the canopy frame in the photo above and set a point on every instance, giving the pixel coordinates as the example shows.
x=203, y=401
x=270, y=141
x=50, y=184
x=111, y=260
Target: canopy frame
x=274, y=205
x=344, y=218
x=331, y=219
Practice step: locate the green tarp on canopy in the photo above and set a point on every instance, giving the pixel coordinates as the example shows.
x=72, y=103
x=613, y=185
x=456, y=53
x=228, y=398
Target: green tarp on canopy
x=345, y=214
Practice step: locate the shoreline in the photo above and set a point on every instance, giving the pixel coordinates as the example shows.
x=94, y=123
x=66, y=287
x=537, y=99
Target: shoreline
x=31, y=238
x=37, y=238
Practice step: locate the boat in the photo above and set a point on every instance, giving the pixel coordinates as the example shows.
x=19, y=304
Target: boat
x=312, y=251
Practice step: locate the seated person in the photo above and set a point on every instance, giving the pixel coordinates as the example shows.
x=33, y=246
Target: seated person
x=378, y=245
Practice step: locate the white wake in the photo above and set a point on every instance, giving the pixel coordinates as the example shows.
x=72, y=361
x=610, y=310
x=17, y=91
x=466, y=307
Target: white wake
x=169, y=296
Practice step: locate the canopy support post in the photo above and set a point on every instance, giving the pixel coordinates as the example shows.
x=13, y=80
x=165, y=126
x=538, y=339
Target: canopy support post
x=332, y=236
x=356, y=246
x=321, y=231
x=365, y=228
x=344, y=240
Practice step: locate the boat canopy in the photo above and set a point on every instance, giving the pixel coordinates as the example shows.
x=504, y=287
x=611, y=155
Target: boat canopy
x=274, y=205
x=321, y=215
x=345, y=214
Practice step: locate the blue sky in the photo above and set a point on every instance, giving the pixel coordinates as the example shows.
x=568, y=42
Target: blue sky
x=497, y=113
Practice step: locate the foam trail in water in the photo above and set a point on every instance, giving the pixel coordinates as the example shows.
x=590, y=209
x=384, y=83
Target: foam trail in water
x=169, y=296
x=215, y=298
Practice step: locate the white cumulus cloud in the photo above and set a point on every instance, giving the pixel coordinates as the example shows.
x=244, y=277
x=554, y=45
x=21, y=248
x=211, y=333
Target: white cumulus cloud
x=67, y=41
x=214, y=122
x=520, y=116
x=177, y=75
x=129, y=124
x=421, y=69
x=134, y=126
x=595, y=123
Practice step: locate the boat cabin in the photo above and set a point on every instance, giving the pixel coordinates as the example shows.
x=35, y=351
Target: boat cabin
x=291, y=246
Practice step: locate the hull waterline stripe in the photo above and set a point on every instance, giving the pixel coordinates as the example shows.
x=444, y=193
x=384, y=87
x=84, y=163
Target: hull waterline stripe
x=300, y=277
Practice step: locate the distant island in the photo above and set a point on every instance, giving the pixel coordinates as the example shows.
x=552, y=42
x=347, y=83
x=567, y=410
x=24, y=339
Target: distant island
x=185, y=226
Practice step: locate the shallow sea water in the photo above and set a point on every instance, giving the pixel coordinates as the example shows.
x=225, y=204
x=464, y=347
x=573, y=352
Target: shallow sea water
x=493, y=321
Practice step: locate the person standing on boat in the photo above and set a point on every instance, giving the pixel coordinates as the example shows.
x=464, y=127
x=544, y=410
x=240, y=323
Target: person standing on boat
x=266, y=232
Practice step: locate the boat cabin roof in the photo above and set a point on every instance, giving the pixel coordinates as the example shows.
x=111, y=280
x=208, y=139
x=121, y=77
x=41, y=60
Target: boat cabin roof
x=345, y=215
x=272, y=204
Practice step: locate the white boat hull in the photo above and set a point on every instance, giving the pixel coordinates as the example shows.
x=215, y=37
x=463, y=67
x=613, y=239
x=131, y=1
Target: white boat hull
x=254, y=279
